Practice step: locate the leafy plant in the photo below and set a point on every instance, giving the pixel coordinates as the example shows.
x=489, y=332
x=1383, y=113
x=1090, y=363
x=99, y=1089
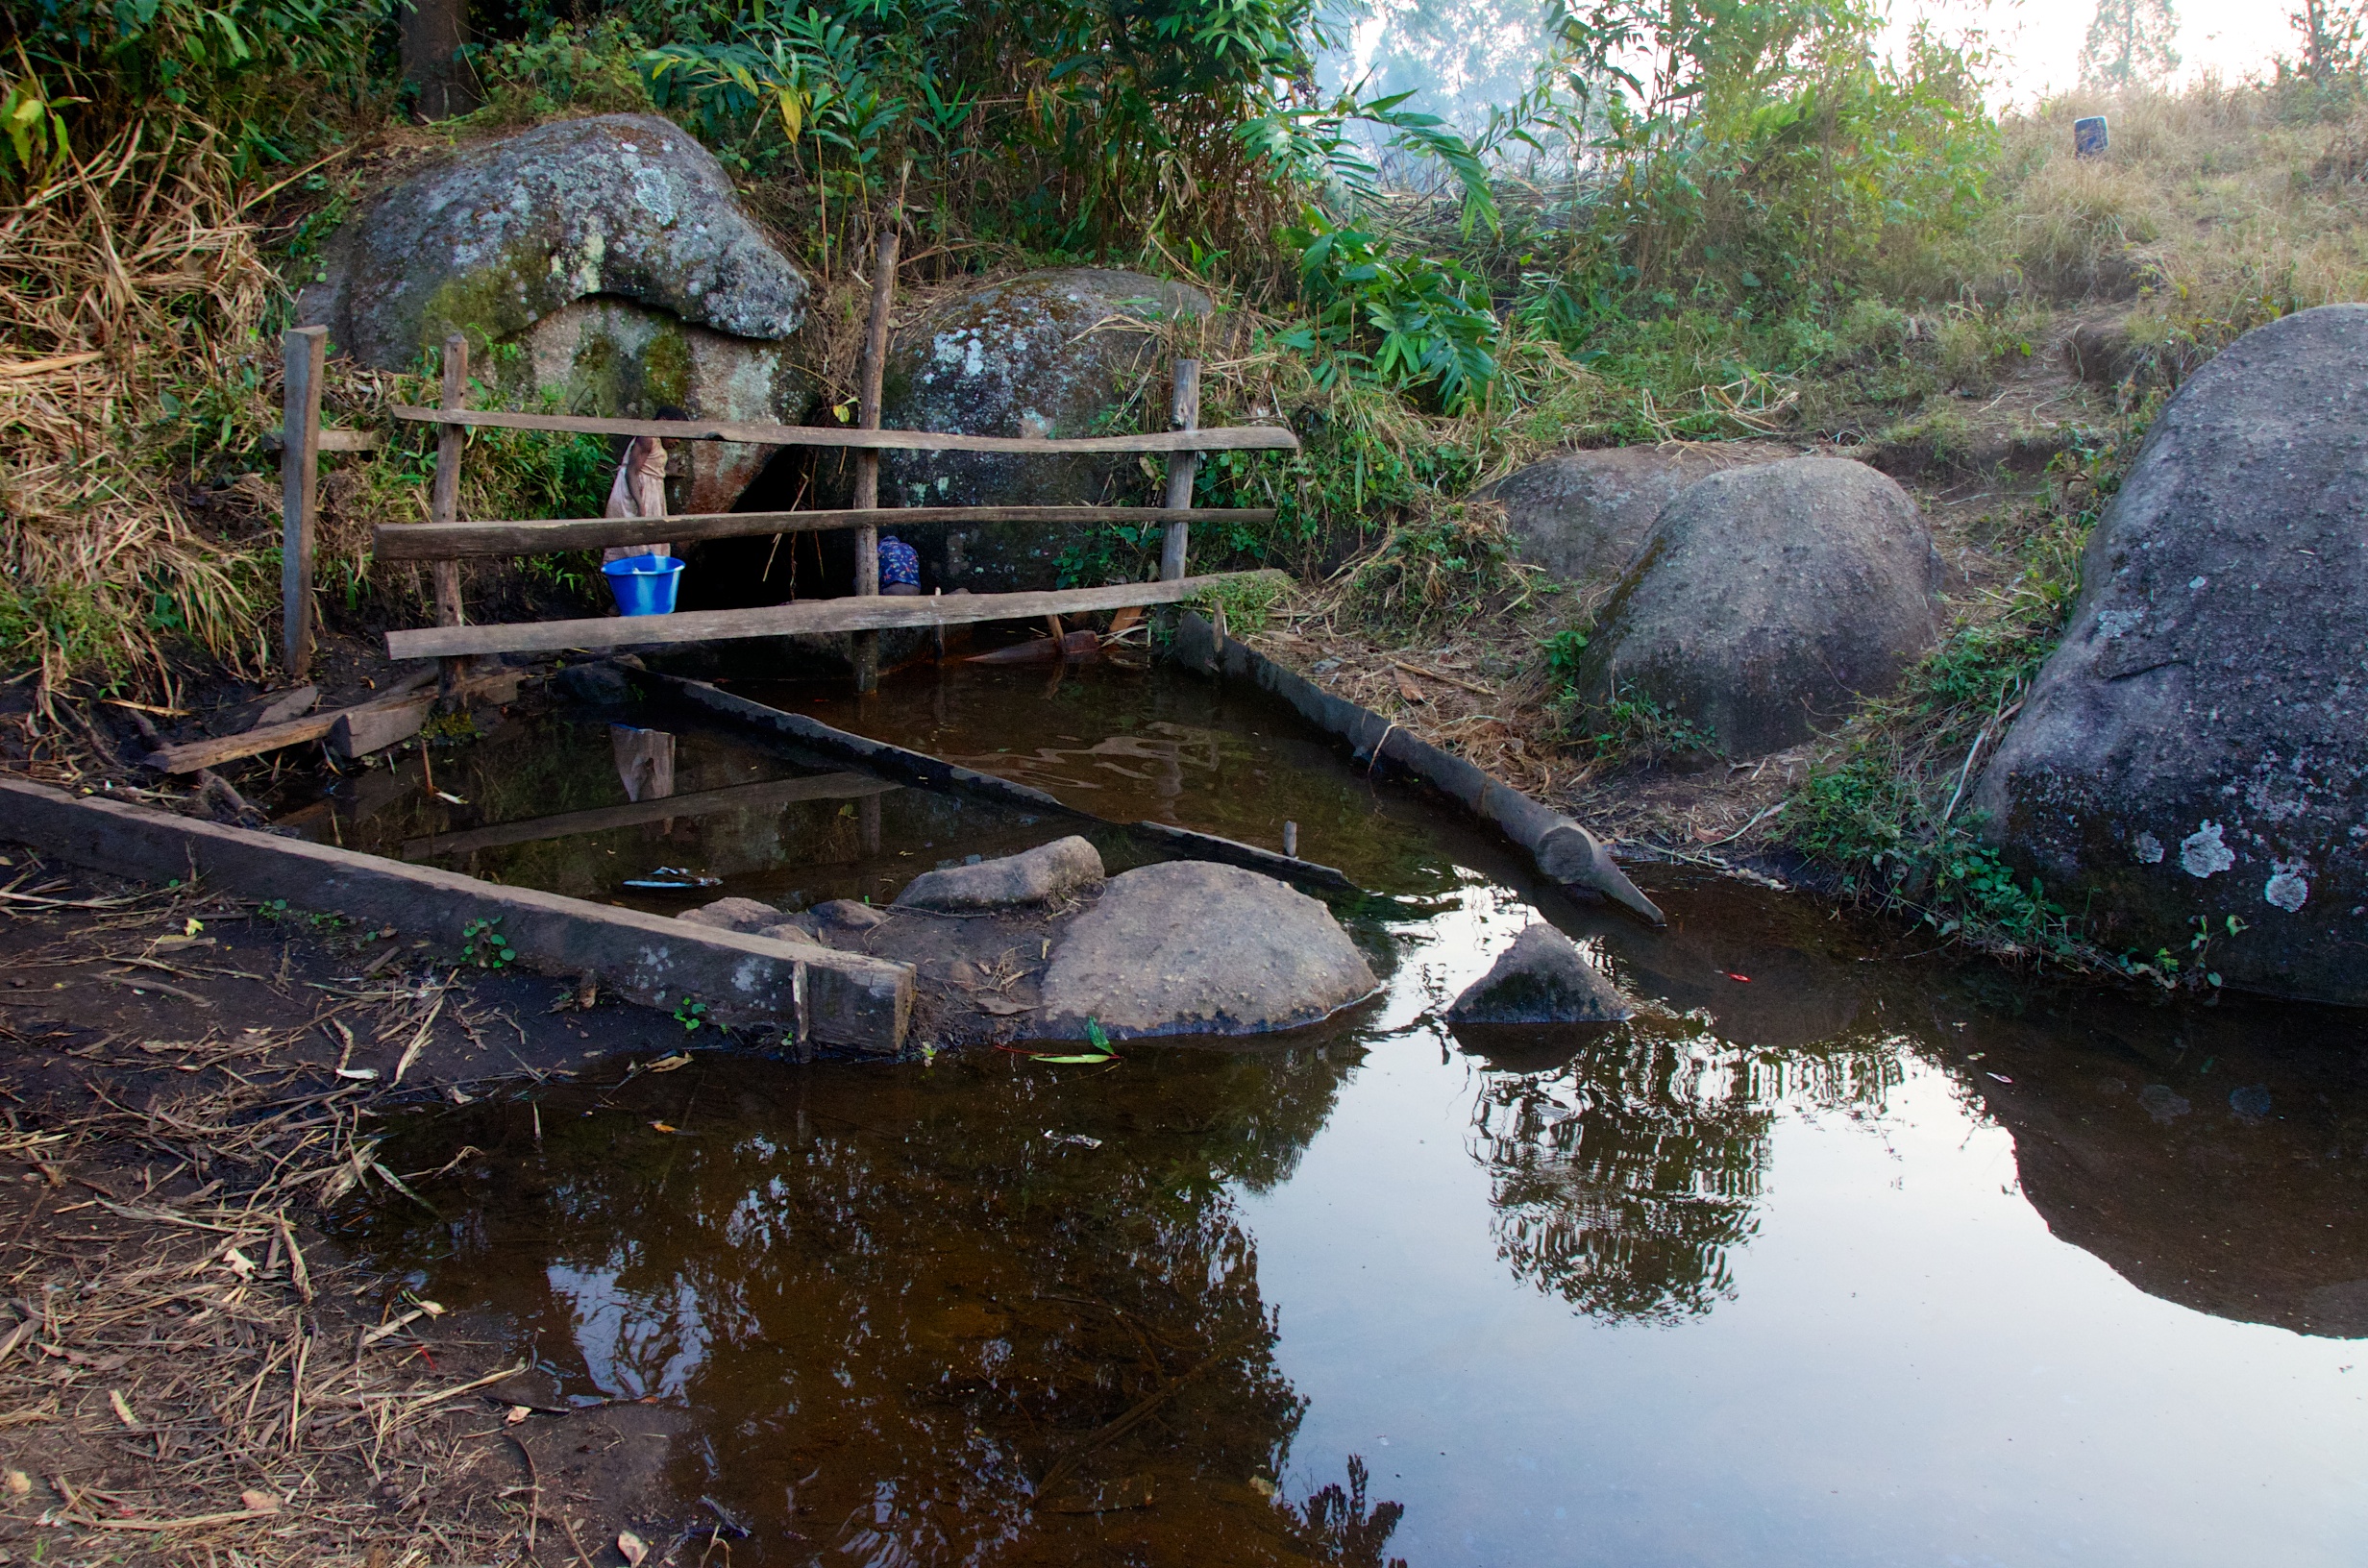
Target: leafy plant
x=692, y=1014
x=1098, y=1050
x=483, y=943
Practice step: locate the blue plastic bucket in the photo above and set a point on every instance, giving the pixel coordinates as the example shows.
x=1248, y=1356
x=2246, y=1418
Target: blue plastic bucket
x=644, y=584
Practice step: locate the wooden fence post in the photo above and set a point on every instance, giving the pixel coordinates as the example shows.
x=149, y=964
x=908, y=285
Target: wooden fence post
x=866, y=463
x=444, y=499
x=1183, y=414
x=300, y=486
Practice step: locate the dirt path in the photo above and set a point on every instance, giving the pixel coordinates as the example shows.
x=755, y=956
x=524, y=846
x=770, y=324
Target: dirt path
x=189, y=1367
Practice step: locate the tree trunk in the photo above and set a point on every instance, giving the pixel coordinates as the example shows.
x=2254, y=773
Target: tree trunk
x=433, y=34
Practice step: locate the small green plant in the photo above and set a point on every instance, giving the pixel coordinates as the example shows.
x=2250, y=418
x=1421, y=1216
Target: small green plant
x=1099, y=1049
x=1248, y=600
x=1633, y=728
x=692, y=1014
x=483, y=943
x=1562, y=651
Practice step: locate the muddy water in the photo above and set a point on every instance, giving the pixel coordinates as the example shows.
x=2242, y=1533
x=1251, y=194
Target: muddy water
x=1836, y=1255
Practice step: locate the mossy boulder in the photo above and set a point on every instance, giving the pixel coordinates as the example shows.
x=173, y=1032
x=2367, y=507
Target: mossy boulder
x=1052, y=353
x=2196, y=749
x=607, y=356
x=509, y=231
x=1767, y=602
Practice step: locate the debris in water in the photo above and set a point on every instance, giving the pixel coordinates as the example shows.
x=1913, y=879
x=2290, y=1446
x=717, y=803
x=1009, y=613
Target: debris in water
x=633, y=1547
x=450, y=798
x=674, y=880
x=668, y=1064
x=2002, y=1077
x=1744, y=978
x=1079, y=1138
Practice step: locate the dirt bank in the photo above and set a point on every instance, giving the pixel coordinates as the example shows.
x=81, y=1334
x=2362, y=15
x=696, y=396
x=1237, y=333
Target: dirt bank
x=189, y=1367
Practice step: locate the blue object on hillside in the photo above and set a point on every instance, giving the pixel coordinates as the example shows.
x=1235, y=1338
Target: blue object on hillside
x=2088, y=136
x=644, y=584
x=899, y=563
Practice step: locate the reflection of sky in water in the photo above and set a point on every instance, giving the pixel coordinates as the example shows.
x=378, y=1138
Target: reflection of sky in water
x=1899, y=1364
x=633, y=1342
x=1782, y=1272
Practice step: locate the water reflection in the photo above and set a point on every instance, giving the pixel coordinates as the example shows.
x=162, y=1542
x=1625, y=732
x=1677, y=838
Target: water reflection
x=918, y=1316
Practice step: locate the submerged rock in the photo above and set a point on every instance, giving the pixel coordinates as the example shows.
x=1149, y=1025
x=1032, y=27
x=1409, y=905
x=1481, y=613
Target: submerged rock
x=1193, y=948
x=2197, y=747
x=1042, y=874
x=1542, y=978
x=734, y=915
x=847, y=915
x=1768, y=600
x=510, y=231
x=1584, y=515
x=1045, y=353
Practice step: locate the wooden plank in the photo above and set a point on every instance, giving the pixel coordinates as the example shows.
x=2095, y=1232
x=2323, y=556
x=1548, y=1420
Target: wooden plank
x=1221, y=438
x=458, y=541
x=360, y=731
x=214, y=750
x=778, y=792
x=305, y=350
x=865, y=648
x=444, y=499
x=331, y=440
x=1184, y=413
x=809, y=617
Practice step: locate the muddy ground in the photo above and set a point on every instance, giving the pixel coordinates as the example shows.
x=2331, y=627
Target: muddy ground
x=190, y=1370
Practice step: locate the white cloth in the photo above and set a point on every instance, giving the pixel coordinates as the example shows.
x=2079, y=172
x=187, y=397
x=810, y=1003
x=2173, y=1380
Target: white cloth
x=639, y=490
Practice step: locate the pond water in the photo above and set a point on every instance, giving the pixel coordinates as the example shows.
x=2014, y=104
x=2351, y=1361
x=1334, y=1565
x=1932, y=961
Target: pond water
x=1838, y=1253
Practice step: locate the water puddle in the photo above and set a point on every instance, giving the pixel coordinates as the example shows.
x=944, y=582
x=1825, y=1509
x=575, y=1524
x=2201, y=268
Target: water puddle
x=1834, y=1256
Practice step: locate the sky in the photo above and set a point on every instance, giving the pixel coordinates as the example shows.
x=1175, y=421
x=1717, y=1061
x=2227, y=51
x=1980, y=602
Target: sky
x=2041, y=38
x=1481, y=50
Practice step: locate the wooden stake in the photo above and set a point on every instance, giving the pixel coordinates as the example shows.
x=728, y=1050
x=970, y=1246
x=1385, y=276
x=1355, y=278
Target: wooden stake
x=444, y=500
x=1184, y=414
x=867, y=463
x=300, y=484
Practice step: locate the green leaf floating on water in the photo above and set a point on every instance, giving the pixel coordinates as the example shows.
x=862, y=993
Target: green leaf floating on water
x=1096, y=1037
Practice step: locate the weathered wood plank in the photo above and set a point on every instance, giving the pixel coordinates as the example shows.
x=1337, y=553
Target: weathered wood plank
x=211, y=753
x=865, y=648
x=444, y=500
x=1218, y=438
x=460, y=540
x=1184, y=413
x=778, y=792
x=299, y=473
x=814, y=615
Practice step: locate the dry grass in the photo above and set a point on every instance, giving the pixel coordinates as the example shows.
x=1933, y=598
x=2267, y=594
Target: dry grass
x=130, y=333
x=186, y=1375
x=2231, y=203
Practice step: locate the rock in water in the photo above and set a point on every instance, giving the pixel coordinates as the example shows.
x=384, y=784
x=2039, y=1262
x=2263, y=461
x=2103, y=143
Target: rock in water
x=1192, y=947
x=1045, y=872
x=734, y=915
x=1542, y=978
x=1045, y=353
x=508, y=231
x=1767, y=600
x=2197, y=747
x=1584, y=515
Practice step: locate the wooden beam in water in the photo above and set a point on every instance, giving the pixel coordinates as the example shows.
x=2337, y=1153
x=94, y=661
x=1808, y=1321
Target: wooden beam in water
x=1221, y=438
x=458, y=541
x=777, y=792
x=812, y=616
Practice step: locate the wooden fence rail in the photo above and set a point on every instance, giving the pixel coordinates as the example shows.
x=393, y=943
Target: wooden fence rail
x=1217, y=439
x=460, y=540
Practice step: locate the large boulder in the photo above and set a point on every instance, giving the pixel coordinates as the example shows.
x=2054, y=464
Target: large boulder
x=1767, y=600
x=615, y=357
x=1542, y=978
x=508, y=231
x=1192, y=947
x=1037, y=876
x=2197, y=747
x=1045, y=353
x=1584, y=515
